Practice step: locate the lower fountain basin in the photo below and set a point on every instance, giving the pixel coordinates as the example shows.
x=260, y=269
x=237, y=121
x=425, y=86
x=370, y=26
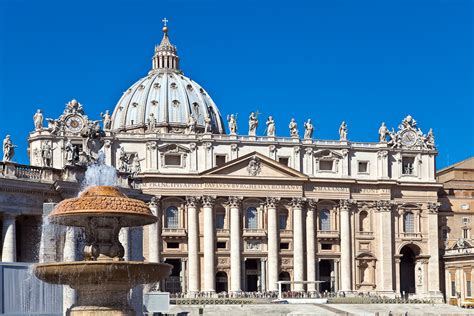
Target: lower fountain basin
x=102, y=272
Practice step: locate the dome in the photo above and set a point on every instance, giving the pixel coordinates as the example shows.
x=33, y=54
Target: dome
x=167, y=99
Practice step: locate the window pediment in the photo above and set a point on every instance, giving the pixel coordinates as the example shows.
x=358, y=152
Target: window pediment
x=327, y=154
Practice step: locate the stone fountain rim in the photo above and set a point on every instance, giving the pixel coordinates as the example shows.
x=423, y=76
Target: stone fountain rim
x=79, y=218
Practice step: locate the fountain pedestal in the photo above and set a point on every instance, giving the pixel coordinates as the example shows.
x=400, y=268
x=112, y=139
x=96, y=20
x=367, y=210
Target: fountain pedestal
x=103, y=281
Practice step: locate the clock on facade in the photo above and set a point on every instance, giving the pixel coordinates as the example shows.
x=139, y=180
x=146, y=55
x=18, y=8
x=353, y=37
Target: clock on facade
x=74, y=123
x=409, y=138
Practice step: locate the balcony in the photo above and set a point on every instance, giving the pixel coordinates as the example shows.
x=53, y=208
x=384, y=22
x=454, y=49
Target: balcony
x=327, y=234
x=411, y=236
x=254, y=232
x=365, y=235
x=173, y=232
x=222, y=232
x=286, y=232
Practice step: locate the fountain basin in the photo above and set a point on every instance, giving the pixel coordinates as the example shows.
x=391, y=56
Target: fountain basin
x=102, y=272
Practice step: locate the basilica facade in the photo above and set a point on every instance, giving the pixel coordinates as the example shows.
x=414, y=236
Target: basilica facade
x=239, y=211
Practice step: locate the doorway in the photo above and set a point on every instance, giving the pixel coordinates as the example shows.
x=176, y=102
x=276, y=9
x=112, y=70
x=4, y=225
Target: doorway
x=407, y=268
x=285, y=276
x=173, y=282
x=326, y=273
x=221, y=282
x=252, y=275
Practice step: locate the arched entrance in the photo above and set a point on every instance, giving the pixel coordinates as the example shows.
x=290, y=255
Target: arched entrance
x=407, y=268
x=285, y=276
x=221, y=282
x=173, y=282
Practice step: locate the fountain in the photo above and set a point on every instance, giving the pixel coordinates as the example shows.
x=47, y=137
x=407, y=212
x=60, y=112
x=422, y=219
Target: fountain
x=103, y=280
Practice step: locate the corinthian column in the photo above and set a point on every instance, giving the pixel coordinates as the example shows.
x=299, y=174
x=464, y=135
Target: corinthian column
x=273, y=233
x=385, y=281
x=433, y=264
x=235, y=236
x=193, y=245
x=9, y=238
x=346, y=263
x=154, y=231
x=298, y=246
x=310, y=250
x=209, y=259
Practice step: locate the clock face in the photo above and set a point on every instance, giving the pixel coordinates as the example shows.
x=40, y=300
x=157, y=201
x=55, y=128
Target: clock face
x=74, y=123
x=409, y=138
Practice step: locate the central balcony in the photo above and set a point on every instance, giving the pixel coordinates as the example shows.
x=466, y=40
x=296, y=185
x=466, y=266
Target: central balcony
x=254, y=232
x=327, y=234
x=173, y=232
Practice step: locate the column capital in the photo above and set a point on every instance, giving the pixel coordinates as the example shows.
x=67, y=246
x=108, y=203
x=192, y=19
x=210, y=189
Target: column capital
x=155, y=201
x=312, y=204
x=208, y=201
x=298, y=202
x=384, y=205
x=192, y=201
x=346, y=204
x=234, y=201
x=272, y=201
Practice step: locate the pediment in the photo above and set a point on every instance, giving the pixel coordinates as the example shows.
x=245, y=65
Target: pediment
x=173, y=148
x=255, y=165
x=327, y=154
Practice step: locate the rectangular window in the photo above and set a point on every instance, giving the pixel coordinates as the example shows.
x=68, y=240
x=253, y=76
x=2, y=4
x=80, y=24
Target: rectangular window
x=363, y=167
x=465, y=221
x=408, y=165
x=284, y=245
x=220, y=219
x=453, y=288
x=221, y=245
x=283, y=160
x=220, y=160
x=173, y=160
x=283, y=220
x=326, y=165
x=326, y=246
x=465, y=233
x=172, y=245
x=468, y=289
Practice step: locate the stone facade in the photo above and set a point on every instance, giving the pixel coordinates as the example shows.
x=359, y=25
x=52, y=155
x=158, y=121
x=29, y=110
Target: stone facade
x=456, y=218
x=239, y=211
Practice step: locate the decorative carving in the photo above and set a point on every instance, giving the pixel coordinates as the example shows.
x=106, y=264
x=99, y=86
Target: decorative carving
x=47, y=154
x=433, y=207
x=155, y=201
x=343, y=131
x=296, y=150
x=345, y=205
x=298, y=202
x=272, y=202
x=254, y=167
x=344, y=152
x=410, y=136
x=38, y=120
x=208, y=145
x=208, y=201
x=107, y=143
x=308, y=129
x=136, y=165
x=151, y=145
x=8, y=149
x=71, y=153
x=106, y=120
x=253, y=245
x=312, y=204
x=384, y=205
x=192, y=146
x=382, y=154
x=270, y=130
x=192, y=201
x=234, y=201
x=272, y=148
x=232, y=123
x=234, y=147
x=293, y=128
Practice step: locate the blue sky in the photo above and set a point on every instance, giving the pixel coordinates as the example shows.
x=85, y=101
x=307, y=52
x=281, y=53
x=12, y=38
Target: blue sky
x=360, y=61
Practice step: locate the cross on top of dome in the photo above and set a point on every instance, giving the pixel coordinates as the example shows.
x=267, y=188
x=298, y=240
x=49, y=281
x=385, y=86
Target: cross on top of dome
x=165, y=56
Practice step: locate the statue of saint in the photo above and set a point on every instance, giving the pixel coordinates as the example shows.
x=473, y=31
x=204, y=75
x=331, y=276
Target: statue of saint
x=53, y=126
x=47, y=154
x=232, y=123
x=293, y=128
x=430, y=140
x=253, y=124
x=38, y=120
x=124, y=164
x=383, y=132
x=70, y=153
x=270, y=126
x=207, y=125
x=308, y=129
x=106, y=120
x=136, y=166
x=8, y=149
x=151, y=122
x=343, y=131
x=191, y=125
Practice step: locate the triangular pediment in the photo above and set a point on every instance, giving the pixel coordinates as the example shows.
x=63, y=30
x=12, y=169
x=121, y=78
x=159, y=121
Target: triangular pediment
x=173, y=148
x=255, y=165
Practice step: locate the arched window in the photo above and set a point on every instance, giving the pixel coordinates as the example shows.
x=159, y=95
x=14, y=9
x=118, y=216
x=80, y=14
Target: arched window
x=325, y=220
x=283, y=220
x=364, y=221
x=251, y=218
x=172, y=217
x=408, y=222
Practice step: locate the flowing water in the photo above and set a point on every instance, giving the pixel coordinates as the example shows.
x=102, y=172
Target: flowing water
x=99, y=173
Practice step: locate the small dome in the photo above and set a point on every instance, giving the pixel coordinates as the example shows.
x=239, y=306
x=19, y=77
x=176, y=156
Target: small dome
x=168, y=97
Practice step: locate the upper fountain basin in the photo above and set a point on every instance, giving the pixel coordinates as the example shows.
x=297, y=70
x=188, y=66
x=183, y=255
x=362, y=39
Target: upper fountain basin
x=102, y=201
